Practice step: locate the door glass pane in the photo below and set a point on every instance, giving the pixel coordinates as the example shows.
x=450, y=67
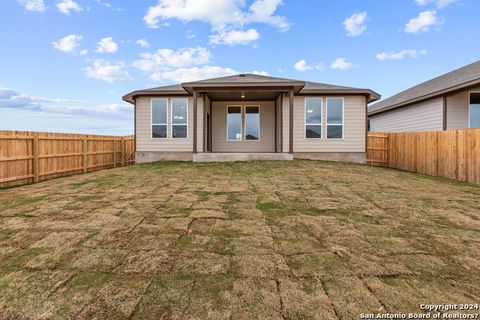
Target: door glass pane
x=159, y=111
x=234, y=123
x=335, y=111
x=179, y=111
x=474, y=116
x=313, y=111
x=313, y=131
x=252, y=123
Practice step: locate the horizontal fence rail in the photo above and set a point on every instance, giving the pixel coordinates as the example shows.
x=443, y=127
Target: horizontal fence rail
x=28, y=157
x=452, y=154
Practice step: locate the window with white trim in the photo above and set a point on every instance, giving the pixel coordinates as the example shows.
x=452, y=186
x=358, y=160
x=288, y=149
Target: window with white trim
x=252, y=123
x=334, y=118
x=474, y=110
x=179, y=118
x=159, y=118
x=313, y=118
x=234, y=123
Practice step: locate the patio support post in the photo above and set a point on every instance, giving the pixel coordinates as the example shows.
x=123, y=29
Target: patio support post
x=194, y=121
x=290, y=120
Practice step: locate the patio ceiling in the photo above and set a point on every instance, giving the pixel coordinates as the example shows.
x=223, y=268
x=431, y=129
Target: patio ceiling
x=240, y=95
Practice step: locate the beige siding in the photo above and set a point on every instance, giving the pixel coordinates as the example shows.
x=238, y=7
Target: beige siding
x=424, y=116
x=285, y=124
x=205, y=126
x=143, y=126
x=354, y=128
x=200, y=128
x=457, y=109
x=278, y=123
x=267, y=128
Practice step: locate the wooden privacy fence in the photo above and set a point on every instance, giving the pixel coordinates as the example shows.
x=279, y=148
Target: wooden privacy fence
x=452, y=154
x=27, y=157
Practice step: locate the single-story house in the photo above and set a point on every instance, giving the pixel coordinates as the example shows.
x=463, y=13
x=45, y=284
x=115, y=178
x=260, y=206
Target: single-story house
x=250, y=116
x=451, y=101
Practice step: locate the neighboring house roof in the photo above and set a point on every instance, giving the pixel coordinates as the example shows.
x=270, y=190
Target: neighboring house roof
x=252, y=81
x=459, y=79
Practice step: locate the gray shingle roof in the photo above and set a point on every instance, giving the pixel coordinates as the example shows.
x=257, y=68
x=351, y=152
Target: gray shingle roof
x=454, y=80
x=245, y=78
x=304, y=87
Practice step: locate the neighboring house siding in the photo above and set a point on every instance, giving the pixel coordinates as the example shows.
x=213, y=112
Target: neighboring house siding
x=424, y=116
x=146, y=143
x=267, y=128
x=354, y=128
x=457, y=111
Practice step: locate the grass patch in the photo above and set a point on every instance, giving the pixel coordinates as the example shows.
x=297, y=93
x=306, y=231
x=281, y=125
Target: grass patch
x=5, y=235
x=262, y=230
x=268, y=206
x=16, y=203
x=316, y=212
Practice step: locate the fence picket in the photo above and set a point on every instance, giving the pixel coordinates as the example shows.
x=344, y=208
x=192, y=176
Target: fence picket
x=452, y=154
x=27, y=157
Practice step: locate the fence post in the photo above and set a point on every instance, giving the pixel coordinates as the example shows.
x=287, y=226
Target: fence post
x=114, y=153
x=85, y=155
x=123, y=151
x=35, y=158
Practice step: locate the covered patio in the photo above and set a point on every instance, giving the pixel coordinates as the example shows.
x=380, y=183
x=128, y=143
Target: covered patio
x=241, y=118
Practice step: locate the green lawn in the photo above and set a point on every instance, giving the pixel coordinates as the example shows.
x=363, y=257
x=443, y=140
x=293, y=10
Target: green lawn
x=254, y=240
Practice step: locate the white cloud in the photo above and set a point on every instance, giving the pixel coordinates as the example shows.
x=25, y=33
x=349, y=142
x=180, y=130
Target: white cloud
x=197, y=73
x=143, y=43
x=341, y=64
x=15, y=100
x=191, y=74
x=355, y=25
x=168, y=58
x=263, y=11
x=66, y=6
x=260, y=73
x=235, y=37
x=68, y=43
x=107, y=5
x=438, y=3
x=303, y=66
x=109, y=72
x=84, y=52
x=182, y=65
x=422, y=22
x=218, y=13
x=33, y=5
x=400, y=55
x=106, y=45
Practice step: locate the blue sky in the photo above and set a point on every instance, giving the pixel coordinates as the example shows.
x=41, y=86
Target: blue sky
x=64, y=64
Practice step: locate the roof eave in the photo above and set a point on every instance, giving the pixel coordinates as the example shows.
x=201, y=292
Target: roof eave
x=369, y=94
x=295, y=85
x=448, y=91
x=130, y=97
